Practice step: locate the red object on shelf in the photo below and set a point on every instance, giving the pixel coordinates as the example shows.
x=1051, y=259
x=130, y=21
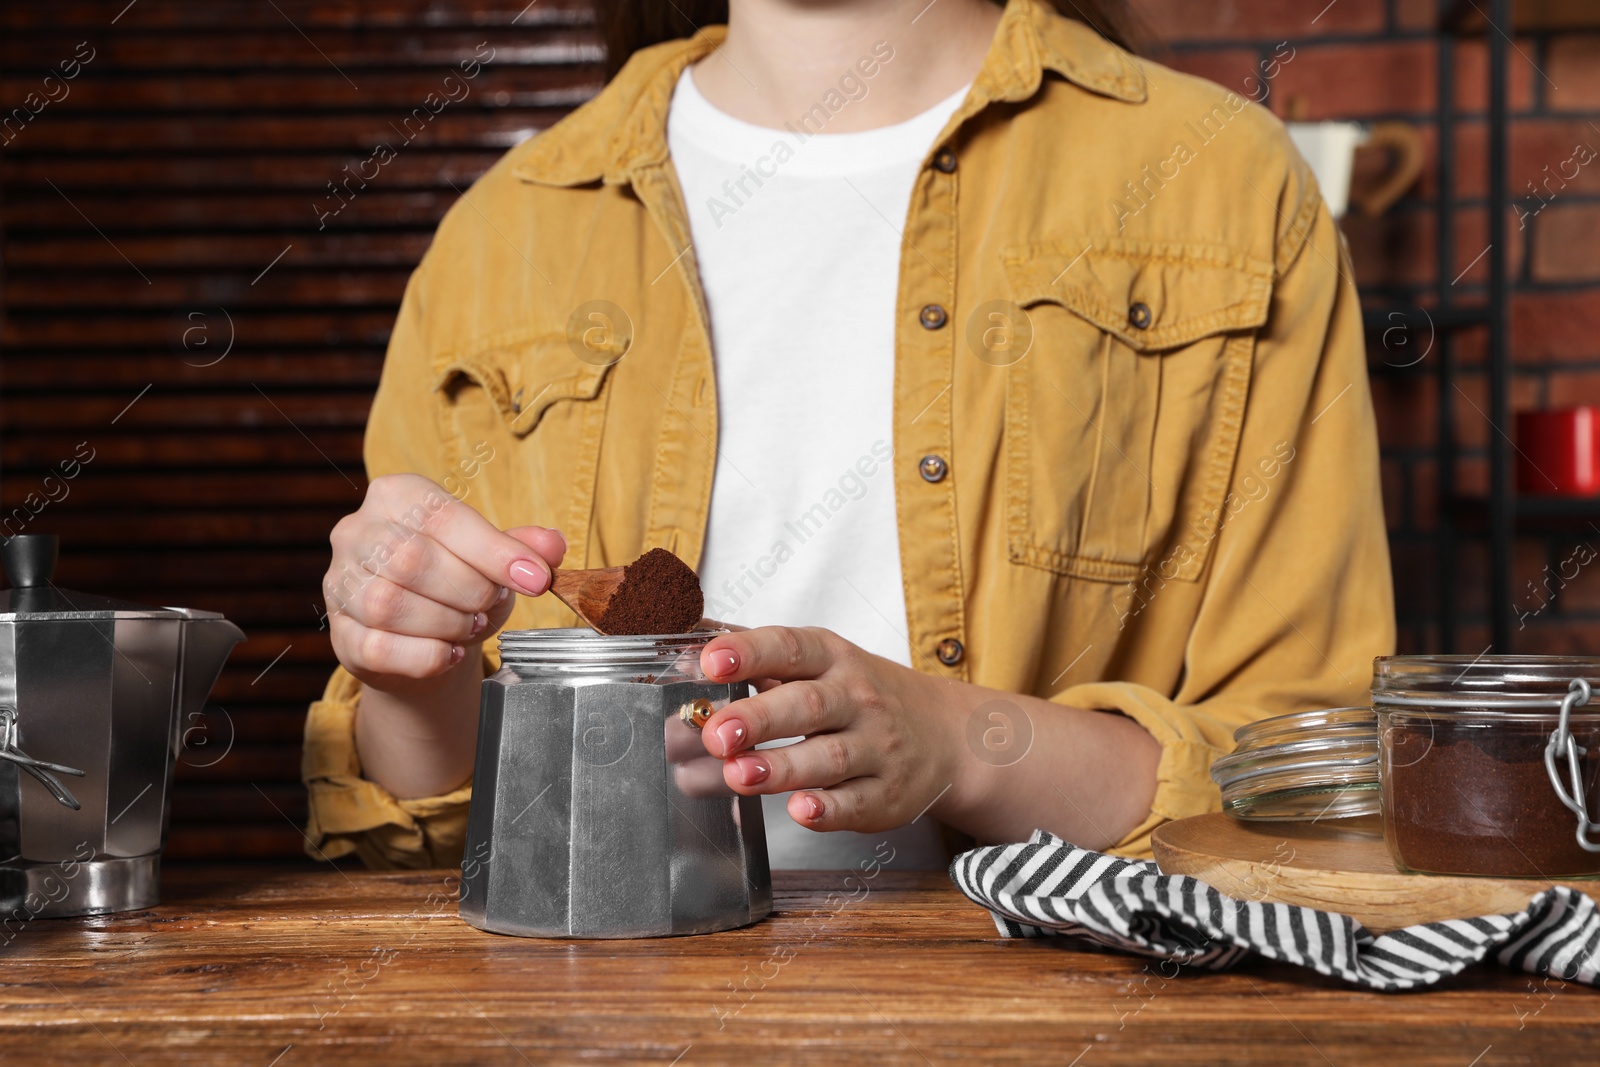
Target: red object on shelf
x=1558, y=452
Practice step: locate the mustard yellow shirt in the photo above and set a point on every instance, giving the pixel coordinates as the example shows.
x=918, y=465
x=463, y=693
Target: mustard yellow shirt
x=1158, y=492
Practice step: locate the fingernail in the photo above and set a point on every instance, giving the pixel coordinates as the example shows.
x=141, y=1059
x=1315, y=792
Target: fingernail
x=753, y=770
x=563, y=537
x=723, y=661
x=529, y=577
x=457, y=654
x=479, y=622
x=814, y=808
x=504, y=592
x=731, y=734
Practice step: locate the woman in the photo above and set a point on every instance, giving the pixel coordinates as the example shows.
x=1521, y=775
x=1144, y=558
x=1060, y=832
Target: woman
x=1010, y=388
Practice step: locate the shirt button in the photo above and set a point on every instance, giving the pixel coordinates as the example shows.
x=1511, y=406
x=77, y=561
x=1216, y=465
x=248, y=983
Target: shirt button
x=1140, y=317
x=933, y=468
x=950, y=652
x=933, y=317
x=944, y=161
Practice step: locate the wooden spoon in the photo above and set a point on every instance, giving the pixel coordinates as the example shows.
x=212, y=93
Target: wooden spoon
x=655, y=594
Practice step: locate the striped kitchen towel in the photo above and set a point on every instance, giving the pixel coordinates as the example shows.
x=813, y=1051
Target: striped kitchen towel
x=1049, y=887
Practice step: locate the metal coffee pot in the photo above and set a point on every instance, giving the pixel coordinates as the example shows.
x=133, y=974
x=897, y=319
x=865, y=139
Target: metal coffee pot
x=596, y=810
x=94, y=696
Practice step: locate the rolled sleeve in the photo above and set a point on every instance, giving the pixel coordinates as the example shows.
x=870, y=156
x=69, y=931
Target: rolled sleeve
x=1191, y=737
x=349, y=814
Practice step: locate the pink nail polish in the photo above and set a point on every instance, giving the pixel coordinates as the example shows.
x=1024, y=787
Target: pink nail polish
x=457, y=654
x=814, y=808
x=731, y=734
x=504, y=592
x=528, y=577
x=753, y=770
x=724, y=661
x=480, y=622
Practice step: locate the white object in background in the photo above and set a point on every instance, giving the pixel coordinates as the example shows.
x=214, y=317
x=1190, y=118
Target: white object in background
x=1330, y=149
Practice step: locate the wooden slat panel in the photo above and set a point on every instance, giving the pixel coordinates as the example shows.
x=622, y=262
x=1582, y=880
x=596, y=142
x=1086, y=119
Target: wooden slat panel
x=281, y=840
x=31, y=253
x=322, y=485
x=268, y=90
x=353, y=51
x=420, y=167
x=193, y=371
x=403, y=15
x=222, y=803
x=40, y=290
x=305, y=410
x=23, y=332
x=107, y=571
x=263, y=527
x=295, y=212
x=247, y=764
x=194, y=148
x=156, y=448
x=283, y=682
x=468, y=128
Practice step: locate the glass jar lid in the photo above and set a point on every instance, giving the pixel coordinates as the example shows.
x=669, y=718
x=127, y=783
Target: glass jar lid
x=1444, y=684
x=1306, y=765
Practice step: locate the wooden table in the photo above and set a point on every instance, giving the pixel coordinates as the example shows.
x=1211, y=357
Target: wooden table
x=285, y=969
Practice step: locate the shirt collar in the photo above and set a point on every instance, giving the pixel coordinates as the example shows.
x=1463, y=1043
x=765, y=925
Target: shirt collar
x=623, y=129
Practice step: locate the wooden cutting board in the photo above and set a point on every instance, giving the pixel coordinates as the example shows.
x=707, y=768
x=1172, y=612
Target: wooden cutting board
x=1340, y=865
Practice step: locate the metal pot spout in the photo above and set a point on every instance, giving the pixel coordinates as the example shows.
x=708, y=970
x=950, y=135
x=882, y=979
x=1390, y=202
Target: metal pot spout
x=208, y=638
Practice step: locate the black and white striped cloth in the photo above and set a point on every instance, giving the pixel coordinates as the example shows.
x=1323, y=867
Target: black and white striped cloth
x=1049, y=887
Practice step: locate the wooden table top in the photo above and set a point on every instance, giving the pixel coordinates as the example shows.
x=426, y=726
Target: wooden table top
x=289, y=968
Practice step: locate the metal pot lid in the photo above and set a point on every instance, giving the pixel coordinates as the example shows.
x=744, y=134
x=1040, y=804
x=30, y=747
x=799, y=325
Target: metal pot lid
x=30, y=563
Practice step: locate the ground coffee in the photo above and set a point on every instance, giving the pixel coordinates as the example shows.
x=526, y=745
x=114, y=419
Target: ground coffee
x=1476, y=799
x=659, y=594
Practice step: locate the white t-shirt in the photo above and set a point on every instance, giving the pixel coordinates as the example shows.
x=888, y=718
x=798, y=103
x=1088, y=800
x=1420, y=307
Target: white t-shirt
x=798, y=239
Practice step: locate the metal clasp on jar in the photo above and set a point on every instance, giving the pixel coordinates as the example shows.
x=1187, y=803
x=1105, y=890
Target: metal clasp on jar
x=1562, y=743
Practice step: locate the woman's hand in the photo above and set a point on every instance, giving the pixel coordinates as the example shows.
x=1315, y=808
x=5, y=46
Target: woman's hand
x=880, y=743
x=418, y=576
x=885, y=744
x=418, y=580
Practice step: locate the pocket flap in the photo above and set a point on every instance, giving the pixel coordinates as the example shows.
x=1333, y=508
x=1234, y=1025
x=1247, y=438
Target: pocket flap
x=1151, y=296
x=526, y=372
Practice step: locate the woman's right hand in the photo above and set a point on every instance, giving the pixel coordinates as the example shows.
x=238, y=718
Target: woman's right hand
x=418, y=577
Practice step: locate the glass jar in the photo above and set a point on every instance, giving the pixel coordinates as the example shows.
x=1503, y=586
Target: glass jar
x=1308, y=766
x=596, y=809
x=1487, y=763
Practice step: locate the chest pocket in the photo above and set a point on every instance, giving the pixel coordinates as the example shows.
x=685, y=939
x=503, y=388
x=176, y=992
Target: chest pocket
x=1123, y=418
x=522, y=374
x=493, y=395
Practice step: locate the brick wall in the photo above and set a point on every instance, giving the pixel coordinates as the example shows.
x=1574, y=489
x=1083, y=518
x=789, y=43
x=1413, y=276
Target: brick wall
x=1373, y=60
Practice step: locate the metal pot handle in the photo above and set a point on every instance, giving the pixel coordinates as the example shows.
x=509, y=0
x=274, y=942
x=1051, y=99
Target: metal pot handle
x=38, y=768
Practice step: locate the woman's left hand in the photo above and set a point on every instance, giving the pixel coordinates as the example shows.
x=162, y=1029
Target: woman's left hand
x=879, y=746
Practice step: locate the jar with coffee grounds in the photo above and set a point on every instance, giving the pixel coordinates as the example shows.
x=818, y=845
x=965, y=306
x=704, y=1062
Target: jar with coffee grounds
x=1487, y=764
